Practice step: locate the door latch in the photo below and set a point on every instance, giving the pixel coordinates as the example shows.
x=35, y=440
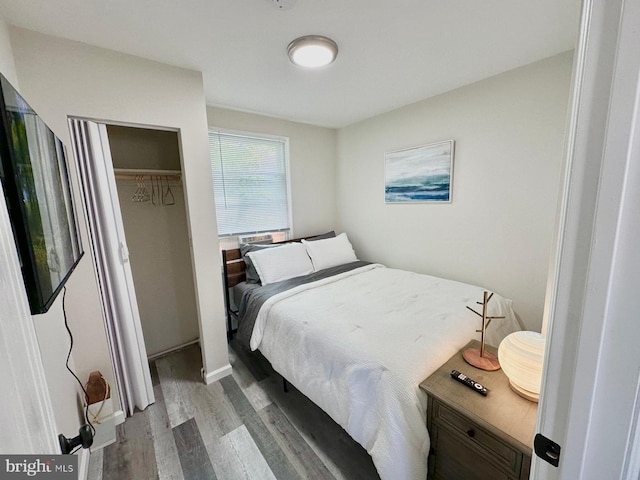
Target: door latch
x=546, y=449
x=124, y=252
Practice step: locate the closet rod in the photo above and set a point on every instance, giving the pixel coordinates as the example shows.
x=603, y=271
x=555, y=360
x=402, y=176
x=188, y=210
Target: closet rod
x=132, y=173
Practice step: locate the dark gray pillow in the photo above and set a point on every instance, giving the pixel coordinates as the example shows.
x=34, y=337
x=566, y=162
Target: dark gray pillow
x=251, y=272
x=330, y=234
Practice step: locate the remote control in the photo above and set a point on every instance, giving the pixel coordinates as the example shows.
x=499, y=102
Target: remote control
x=473, y=385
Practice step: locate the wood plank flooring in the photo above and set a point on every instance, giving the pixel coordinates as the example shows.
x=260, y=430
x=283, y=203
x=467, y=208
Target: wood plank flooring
x=241, y=427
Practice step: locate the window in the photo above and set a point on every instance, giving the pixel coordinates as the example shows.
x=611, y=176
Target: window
x=250, y=180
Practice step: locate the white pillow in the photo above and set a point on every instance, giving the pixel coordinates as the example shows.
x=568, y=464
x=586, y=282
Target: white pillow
x=330, y=252
x=277, y=264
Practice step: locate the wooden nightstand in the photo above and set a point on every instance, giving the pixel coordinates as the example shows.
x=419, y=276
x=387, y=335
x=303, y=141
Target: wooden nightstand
x=476, y=437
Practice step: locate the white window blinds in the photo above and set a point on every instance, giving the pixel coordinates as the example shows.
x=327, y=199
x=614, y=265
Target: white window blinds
x=250, y=183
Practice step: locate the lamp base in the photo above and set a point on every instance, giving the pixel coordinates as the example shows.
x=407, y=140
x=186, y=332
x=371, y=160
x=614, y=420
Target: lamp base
x=531, y=396
x=487, y=362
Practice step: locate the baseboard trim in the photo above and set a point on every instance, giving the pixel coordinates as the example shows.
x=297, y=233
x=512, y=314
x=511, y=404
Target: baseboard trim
x=216, y=374
x=171, y=350
x=119, y=417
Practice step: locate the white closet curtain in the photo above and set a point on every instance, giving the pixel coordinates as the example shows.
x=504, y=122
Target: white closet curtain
x=111, y=259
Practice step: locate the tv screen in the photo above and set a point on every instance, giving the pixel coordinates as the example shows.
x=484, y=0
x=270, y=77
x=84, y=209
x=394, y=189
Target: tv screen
x=35, y=181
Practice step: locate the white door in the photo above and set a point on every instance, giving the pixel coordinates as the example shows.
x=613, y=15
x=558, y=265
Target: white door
x=589, y=403
x=111, y=260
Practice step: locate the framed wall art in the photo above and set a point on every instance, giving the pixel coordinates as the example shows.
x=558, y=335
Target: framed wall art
x=419, y=174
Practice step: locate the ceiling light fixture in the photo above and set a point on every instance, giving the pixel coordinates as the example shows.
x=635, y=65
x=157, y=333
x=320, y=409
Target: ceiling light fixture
x=312, y=51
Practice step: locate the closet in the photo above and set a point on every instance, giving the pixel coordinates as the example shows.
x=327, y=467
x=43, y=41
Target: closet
x=146, y=164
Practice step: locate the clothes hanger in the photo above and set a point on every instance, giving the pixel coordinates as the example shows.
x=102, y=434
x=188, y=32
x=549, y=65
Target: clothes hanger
x=168, y=194
x=144, y=195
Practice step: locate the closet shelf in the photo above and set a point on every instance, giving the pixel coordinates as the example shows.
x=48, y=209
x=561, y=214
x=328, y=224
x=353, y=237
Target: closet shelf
x=132, y=173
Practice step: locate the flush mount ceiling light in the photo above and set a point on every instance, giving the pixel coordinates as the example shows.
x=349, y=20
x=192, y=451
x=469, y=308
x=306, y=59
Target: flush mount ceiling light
x=312, y=51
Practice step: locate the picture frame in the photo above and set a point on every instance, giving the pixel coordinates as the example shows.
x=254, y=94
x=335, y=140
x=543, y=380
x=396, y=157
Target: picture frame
x=422, y=174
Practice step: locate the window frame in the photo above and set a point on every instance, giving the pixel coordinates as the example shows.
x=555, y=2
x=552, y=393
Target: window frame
x=287, y=165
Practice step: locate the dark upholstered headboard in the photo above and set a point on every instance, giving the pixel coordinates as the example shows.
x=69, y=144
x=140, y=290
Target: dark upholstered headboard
x=234, y=272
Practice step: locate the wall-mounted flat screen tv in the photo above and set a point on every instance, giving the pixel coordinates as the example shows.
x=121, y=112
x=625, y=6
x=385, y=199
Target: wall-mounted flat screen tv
x=35, y=181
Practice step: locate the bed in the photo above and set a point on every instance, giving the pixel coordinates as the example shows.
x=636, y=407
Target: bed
x=357, y=338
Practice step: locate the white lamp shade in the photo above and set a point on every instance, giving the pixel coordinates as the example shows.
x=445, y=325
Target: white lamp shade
x=521, y=355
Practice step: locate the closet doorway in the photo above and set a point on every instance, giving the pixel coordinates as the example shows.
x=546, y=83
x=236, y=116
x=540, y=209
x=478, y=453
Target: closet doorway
x=147, y=170
x=136, y=211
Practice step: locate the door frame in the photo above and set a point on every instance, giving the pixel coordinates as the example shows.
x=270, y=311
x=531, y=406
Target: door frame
x=29, y=426
x=590, y=400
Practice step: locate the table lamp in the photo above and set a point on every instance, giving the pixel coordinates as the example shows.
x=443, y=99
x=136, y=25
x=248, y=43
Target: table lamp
x=521, y=355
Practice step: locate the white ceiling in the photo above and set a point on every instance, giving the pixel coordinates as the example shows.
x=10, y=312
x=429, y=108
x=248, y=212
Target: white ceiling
x=392, y=53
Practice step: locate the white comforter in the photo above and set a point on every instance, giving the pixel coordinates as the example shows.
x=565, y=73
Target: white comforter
x=358, y=344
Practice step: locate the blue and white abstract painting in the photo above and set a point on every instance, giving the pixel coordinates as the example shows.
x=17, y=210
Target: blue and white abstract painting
x=419, y=174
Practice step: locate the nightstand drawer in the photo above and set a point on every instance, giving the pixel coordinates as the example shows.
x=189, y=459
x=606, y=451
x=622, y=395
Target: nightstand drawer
x=456, y=460
x=478, y=438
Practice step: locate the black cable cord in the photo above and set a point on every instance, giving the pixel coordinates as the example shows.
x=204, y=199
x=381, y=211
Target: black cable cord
x=75, y=450
x=86, y=396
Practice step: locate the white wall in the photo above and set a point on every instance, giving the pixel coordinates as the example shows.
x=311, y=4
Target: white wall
x=157, y=237
x=312, y=152
x=61, y=78
x=158, y=243
x=27, y=419
x=497, y=231
x=7, y=65
x=52, y=337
